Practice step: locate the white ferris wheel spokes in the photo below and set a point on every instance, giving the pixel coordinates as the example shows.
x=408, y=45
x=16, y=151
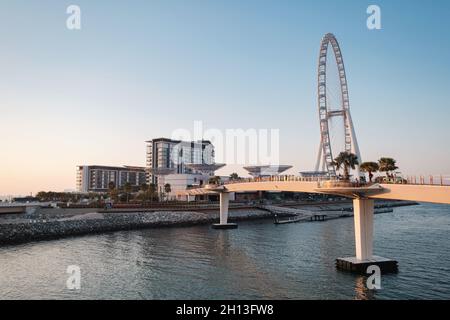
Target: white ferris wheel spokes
x=326, y=113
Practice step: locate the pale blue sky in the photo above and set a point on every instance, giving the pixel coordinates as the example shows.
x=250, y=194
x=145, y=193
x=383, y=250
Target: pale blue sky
x=141, y=69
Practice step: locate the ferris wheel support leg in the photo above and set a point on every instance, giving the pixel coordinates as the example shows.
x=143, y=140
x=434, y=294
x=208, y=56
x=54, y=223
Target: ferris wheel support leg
x=319, y=156
x=355, y=146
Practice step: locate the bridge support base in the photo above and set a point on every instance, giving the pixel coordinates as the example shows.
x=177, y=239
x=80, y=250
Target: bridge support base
x=224, y=204
x=219, y=226
x=354, y=265
x=363, y=218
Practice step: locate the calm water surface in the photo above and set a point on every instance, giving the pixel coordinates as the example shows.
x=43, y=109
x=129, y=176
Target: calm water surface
x=257, y=261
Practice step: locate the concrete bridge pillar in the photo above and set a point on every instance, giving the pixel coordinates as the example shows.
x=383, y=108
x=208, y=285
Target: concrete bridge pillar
x=224, y=205
x=363, y=220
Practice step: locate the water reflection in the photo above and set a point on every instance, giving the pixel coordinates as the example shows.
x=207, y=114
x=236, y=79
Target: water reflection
x=361, y=290
x=256, y=261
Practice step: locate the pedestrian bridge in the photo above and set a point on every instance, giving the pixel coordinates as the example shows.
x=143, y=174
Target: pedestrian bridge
x=363, y=196
x=411, y=192
x=419, y=193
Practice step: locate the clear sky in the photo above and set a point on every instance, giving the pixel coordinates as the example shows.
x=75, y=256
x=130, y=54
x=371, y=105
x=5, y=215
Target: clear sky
x=141, y=69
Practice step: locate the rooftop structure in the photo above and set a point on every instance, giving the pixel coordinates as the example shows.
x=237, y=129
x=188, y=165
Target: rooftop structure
x=204, y=168
x=267, y=170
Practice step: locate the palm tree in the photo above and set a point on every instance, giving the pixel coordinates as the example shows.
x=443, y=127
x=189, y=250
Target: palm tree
x=42, y=196
x=346, y=160
x=370, y=168
x=387, y=165
x=167, y=188
x=127, y=188
x=111, y=189
x=214, y=180
x=234, y=176
x=144, y=192
x=144, y=187
x=152, y=188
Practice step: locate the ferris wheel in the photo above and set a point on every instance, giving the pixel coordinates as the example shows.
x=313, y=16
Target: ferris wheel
x=334, y=109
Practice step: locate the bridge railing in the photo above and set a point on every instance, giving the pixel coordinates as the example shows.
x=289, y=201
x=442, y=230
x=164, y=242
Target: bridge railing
x=281, y=178
x=432, y=180
x=438, y=180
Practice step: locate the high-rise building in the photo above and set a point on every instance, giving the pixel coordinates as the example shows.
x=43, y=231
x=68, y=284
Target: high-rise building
x=166, y=156
x=98, y=178
x=181, y=164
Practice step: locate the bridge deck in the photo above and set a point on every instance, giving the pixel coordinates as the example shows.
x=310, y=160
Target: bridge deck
x=420, y=193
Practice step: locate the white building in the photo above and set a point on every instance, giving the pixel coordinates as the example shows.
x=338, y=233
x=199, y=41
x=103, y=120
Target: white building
x=181, y=182
x=99, y=178
x=182, y=164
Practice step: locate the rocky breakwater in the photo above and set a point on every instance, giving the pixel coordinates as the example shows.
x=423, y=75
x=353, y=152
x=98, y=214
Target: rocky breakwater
x=32, y=229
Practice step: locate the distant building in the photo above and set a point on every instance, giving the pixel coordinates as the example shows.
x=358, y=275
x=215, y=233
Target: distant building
x=262, y=171
x=171, y=156
x=98, y=178
x=181, y=182
x=182, y=164
x=266, y=171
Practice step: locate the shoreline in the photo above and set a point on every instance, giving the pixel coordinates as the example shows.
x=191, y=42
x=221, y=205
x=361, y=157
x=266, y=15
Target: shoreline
x=59, y=223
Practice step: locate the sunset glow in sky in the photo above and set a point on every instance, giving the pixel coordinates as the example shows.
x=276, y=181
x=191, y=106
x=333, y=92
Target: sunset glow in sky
x=139, y=70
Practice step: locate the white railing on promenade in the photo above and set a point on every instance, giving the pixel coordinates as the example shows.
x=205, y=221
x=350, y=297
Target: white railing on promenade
x=432, y=180
x=437, y=180
x=281, y=178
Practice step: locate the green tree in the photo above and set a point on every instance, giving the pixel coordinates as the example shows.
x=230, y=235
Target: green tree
x=143, y=195
x=234, y=176
x=152, y=190
x=346, y=160
x=42, y=196
x=167, y=188
x=144, y=187
x=387, y=165
x=128, y=189
x=214, y=180
x=370, y=168
x=112, y=190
